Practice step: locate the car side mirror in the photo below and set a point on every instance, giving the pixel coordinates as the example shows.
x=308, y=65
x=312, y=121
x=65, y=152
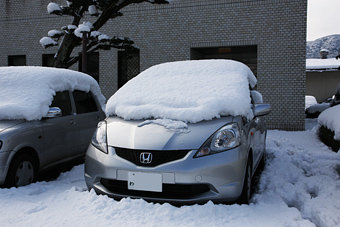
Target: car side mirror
x=54, y=112
x=261, y=109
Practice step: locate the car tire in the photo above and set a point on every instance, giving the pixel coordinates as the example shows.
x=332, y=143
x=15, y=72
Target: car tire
x=246, y=190
x=22, y=171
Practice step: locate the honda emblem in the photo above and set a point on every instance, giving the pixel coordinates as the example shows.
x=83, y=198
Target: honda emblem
x=146, y=158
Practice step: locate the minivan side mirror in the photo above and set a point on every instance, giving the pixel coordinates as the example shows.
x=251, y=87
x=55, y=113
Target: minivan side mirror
x=54, y=112
x=261, y=109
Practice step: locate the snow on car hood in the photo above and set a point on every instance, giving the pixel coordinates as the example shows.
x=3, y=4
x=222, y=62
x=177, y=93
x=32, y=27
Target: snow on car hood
x=189, y=91
x=161, y=134
x=27, y=91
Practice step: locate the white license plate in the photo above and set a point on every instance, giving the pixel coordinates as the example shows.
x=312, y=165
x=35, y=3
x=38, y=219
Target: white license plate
x=145, y=181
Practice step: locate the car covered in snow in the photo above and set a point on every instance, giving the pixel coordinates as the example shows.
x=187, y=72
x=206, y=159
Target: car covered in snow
x=181, y=132
x=47, y=117
x=314, y=109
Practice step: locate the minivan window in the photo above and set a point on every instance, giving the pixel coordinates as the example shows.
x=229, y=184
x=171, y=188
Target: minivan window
x=62, y=100
x=84, y=102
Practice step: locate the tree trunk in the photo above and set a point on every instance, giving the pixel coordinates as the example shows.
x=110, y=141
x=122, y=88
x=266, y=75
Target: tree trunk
x=67, y=45
x=69, y=42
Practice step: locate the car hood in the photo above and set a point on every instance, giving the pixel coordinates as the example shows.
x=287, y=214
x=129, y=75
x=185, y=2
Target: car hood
x=149, y=135
x=5, y=124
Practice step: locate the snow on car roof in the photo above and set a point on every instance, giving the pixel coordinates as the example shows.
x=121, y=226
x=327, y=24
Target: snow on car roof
x=189, y=91
x=27, y=91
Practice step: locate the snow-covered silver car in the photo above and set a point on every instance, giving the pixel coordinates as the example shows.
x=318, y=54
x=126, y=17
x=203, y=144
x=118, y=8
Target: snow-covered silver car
x=181, y=132
x=47, y=117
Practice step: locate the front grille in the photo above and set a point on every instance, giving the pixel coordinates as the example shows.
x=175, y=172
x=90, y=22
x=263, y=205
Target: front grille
x=159, y=157
x=169, y=191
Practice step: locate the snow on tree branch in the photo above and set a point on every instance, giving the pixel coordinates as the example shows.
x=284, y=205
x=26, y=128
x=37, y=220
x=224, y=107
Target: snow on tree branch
x=82, y=28
x=72, y=34
x=55, y=34
x=53, y=8
x=48, y=42
x=93, y=10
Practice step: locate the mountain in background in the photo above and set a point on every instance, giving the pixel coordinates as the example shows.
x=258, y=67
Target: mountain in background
x=331, y=43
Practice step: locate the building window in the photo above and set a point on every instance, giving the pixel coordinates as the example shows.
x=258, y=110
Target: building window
x=128, y=66
x=48, y=60
x=17, y=60
x=244, y=54
x=92, y=65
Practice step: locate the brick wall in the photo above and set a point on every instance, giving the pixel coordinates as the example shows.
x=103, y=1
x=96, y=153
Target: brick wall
x=168, y=32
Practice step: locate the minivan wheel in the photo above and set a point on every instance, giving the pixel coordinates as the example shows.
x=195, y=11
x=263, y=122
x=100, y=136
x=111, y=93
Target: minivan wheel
x=22, y=171
x=246, y=191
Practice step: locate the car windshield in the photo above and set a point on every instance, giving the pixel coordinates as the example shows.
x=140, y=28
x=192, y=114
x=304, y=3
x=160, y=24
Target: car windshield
x=189, y=91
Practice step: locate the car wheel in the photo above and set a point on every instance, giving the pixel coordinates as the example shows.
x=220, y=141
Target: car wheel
x=246, y=191
x=22, y=171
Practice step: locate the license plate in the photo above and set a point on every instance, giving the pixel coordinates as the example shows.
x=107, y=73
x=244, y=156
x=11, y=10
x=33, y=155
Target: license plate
x=141, y=181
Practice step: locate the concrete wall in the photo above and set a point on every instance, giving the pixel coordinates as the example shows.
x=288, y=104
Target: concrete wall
x=168, y=32
x=322, y=84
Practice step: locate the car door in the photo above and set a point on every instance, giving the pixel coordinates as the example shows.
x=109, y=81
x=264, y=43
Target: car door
x=259, y=126
x=258, y=138
x=60, y=134
x=89, y=113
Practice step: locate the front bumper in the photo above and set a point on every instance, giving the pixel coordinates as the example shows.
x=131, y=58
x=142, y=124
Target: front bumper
x=189, y=180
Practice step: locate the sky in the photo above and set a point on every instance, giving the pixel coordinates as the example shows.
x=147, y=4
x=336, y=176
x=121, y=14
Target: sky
x=322, y=18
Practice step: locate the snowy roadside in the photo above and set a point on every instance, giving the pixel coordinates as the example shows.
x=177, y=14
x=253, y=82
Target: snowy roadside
x=299, y=186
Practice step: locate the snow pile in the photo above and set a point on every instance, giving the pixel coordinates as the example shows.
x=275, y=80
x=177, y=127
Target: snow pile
x=54, y=32
x=95, y=33
x=330, y=119
x=177, y=126
x=53, y=7
x=47, y=41
x=257, y=96
x=299, y=187
x=103, y=38
x=189, y=91
x=93, y=10
x=302, y=173
x=310, y=101
x=26, y=92
x=71, y=27
x=318, y=108
x=84, y=27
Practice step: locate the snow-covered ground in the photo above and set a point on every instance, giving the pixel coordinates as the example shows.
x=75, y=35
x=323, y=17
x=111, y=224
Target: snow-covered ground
x=299, y=186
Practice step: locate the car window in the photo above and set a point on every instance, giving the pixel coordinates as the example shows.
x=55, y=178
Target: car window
x=84, y=102
x=62, y=100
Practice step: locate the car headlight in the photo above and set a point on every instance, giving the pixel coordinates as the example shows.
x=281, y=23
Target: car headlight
x=99, y=139
x=226, y=138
